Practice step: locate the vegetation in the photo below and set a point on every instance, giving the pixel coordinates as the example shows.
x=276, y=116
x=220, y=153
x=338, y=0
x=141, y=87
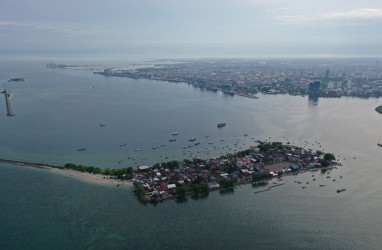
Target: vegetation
x=259, y=176
x=139, y=190
x=181, y=191
x=266, y=146
x=379, y=109
x=199, y=185
x=244, y=153
x=329, y=157
x=227, y=183
x=120, y=173
x=170, y=165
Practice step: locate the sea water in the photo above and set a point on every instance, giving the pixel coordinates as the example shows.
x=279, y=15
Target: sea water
x=60, y=110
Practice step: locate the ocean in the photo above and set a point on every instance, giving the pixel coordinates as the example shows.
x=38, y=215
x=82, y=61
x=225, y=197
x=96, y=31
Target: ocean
x=60, y=110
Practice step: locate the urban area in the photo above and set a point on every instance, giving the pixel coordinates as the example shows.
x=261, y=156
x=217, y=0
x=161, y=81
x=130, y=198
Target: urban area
x=336, y=78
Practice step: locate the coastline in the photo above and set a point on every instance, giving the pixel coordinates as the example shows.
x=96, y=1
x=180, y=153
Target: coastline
x=91, y=178
x=379, y=109
x=81, y=176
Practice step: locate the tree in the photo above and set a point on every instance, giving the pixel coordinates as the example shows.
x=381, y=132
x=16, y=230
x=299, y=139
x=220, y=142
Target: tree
x=172, y=164
x=199, y=187
x=329, y=157
x=139, y=190
x=227, y=183
x=259, y=176
x=181, y=191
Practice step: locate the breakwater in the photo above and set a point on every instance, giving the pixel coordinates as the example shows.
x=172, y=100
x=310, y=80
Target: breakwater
x=30, y=163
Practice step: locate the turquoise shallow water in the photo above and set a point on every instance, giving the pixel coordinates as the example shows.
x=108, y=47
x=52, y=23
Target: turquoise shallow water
x=58, y=111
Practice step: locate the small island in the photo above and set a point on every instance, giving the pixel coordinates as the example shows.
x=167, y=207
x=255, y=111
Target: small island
x=379, y=109
x=197, y=177
x=177, y=179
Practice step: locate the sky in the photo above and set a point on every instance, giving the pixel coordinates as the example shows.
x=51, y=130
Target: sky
x=191, y=29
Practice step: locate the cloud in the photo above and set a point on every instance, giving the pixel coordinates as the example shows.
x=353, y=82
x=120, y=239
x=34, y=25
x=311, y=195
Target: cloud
x=49, y=27
x=358, y=14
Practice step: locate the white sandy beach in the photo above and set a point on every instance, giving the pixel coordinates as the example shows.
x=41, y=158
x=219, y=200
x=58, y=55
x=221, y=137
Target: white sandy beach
x=91, y=178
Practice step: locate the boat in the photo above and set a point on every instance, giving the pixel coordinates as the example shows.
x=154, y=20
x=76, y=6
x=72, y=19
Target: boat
x=81, y=149
x=222, y=124
x=341, y=190
x=192, y=139
x=175, y=133
x=102, y=124
x=171, y=140
x=16, y=80
x=122, y=145
x=227, y=92
x=213, y=89
x=138, y=149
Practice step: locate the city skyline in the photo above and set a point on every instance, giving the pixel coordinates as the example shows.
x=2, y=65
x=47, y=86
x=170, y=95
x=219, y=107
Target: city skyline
x=171, y=29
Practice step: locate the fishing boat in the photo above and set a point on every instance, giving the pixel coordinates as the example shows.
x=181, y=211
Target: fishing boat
x=222, y=124
x=81, y=149
x=171, y=140
x=175, y=133
x=192, y=139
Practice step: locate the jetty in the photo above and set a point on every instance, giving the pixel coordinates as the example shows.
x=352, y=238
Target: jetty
x=7, y=95
x=30, y=163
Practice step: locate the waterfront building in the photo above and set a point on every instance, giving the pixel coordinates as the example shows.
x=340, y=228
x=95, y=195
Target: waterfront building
x=314, y=88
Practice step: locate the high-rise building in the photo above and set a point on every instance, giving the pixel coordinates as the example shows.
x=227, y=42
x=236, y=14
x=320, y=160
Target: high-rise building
x=314, y=88
x=326, y=80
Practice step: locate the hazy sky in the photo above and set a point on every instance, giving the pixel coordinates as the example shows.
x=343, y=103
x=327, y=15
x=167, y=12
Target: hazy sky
x=193, y=28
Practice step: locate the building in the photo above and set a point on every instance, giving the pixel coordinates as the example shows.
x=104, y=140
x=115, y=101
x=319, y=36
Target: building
x=314, y=88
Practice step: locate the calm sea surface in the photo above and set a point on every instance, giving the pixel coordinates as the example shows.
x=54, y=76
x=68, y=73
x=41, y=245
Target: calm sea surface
x=58, y=111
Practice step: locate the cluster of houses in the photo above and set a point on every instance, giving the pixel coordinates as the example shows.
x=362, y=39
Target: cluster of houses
x=162, y=180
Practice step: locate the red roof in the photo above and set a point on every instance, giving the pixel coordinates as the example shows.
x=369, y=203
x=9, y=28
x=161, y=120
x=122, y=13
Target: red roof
x=163, y=185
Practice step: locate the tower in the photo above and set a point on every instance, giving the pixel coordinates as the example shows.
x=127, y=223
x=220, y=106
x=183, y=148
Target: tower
x=7, y=95
x=326, y=80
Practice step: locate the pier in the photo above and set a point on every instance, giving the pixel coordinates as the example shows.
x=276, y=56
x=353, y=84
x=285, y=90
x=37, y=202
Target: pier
x=7, y=95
